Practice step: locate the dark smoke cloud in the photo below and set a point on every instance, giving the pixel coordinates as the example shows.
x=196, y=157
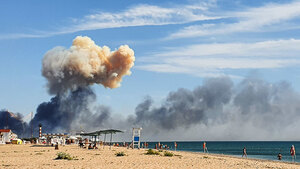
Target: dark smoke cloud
x=13, y=121
x=69, y=74
x=217, y=110
x=251, y=110
x=70, y=112
x=185, y=107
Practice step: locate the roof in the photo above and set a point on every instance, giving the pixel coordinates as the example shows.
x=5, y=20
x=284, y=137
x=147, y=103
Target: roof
x=5, y=130
x=98, y=133
x=110, y=131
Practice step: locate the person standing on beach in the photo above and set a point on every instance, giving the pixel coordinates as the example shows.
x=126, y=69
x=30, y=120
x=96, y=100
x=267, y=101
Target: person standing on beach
x=204, y=147
x=293, y=153
x=244, y=152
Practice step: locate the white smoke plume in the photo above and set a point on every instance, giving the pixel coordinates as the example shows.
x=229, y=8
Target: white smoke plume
x=84, y=64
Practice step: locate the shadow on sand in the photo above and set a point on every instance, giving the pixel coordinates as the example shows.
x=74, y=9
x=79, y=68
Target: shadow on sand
x=41, y=146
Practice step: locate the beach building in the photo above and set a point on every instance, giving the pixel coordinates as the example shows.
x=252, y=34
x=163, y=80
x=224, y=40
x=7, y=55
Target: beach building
x=6, y=135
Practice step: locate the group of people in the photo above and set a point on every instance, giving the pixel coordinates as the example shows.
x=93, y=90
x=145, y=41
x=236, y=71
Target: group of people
x=161, y=146
x=279, y=156
x=145, y=145
x=94, y=146
x=90, y=145
x=244, y=154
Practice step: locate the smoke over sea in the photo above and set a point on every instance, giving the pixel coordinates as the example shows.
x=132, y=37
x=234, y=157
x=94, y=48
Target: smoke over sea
x=218, y=109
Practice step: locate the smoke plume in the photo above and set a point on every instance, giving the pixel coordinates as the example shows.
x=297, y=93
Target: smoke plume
x=219, y=110
x=13, y=121
x=185, y=107
x=84, y=64
x=216, y=110
x=71, y=112
x=70, y=73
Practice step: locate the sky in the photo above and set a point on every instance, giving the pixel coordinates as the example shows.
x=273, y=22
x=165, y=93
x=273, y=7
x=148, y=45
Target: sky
x=177, y=44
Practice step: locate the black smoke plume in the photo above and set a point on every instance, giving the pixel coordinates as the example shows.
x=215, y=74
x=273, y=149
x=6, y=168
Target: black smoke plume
x=69, y=74
x=71, y=112
x=219, y=110
x=13, y=121
x=185, y=107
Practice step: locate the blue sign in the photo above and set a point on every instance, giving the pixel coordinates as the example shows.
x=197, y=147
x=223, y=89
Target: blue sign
x=136, y=138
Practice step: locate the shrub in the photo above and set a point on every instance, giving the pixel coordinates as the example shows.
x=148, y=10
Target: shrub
x=152, y=152
x=169, y=154
x=120, y=154
x=64, y=156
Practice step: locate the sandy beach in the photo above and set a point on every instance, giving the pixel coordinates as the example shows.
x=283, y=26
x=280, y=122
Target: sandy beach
x=28, y=156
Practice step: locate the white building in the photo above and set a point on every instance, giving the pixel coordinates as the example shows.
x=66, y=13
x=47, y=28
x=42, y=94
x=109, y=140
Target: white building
x=6, y=135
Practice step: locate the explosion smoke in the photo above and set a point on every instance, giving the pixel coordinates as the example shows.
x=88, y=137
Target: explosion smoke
x=12, y=121
x=184, y=107
x=219, y=110
x=71, y=112
x=69, y=73
x=84, y=64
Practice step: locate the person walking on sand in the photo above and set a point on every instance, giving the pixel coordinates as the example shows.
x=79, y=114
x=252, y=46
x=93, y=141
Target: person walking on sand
x=244, y=152
x=204, y=147
x=293, y=153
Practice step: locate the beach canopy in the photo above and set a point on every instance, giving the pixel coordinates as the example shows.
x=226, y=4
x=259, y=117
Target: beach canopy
x=98, y=133
x=110, y=131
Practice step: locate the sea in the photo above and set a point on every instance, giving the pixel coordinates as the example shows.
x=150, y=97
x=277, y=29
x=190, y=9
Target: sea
x=255, y=149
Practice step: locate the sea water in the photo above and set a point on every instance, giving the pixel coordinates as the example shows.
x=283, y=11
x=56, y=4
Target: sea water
x=255, y=149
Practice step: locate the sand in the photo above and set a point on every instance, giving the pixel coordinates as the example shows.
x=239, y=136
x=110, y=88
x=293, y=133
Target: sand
x=28, y=156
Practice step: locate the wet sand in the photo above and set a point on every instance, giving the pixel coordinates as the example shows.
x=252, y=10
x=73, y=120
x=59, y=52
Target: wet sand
x=28, y=156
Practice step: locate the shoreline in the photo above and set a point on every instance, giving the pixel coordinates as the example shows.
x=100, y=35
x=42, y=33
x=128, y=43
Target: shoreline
x=263, y=150
x=232, y=156
x=29, y=156
x=225, y=155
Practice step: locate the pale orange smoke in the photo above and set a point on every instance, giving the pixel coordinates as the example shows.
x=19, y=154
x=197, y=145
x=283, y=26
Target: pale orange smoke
x=85, y=63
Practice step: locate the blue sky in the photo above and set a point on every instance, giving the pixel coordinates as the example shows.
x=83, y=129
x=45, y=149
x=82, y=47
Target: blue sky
x=177, y=44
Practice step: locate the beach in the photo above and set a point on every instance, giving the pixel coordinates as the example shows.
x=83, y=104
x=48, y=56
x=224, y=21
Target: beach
x=40, y=156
